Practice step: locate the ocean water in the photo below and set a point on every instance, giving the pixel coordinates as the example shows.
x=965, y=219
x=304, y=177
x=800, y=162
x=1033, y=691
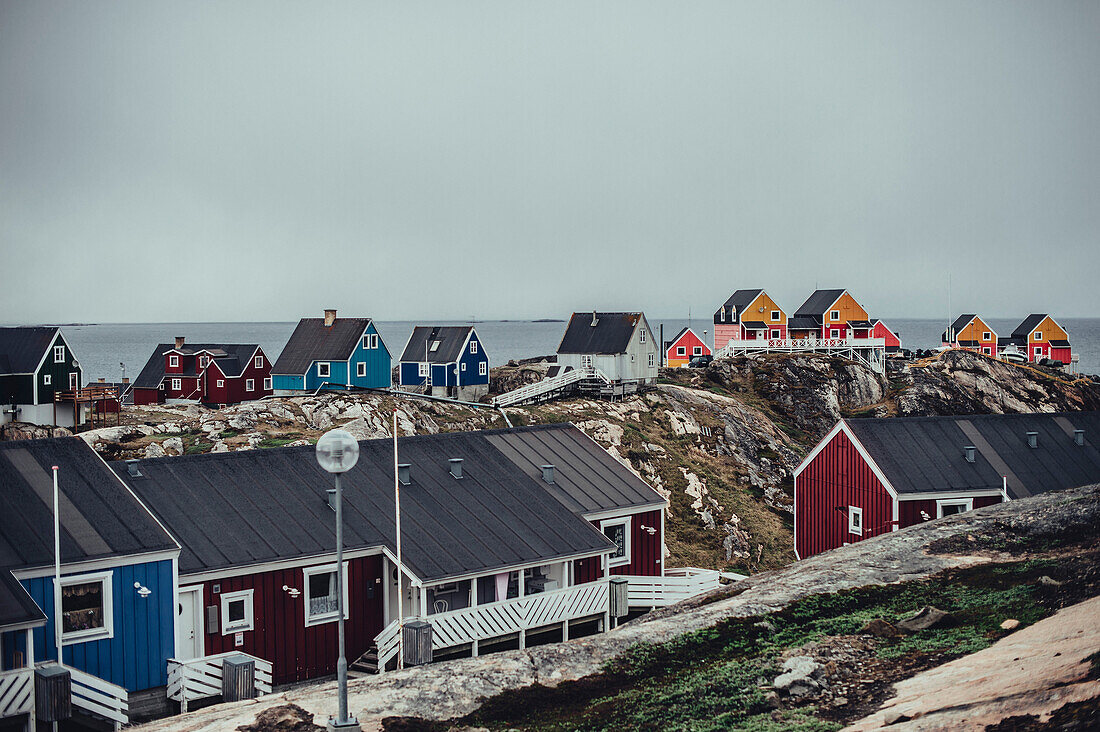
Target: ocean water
x=102, y=348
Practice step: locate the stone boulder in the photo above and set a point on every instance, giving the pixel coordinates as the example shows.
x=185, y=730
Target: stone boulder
x=28, y=431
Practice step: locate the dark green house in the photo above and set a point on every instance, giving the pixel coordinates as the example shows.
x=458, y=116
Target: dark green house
x=35, y=363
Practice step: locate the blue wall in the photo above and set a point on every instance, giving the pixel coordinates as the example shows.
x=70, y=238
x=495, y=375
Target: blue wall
x=287, y=381
x=471, y=375
x=337, y=374
x=408, y=374
x=377, y=361
x=448, y=374
x=144, y=639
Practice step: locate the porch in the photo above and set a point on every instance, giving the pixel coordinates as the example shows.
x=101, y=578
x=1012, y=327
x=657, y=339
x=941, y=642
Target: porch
x=195, y=679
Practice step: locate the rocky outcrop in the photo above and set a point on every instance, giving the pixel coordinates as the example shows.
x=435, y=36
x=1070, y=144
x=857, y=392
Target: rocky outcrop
x=28, y=431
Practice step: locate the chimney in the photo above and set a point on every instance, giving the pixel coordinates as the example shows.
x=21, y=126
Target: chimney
x=456, y=467
x=330, y=318
x=594, y=319
x=1032, y=439
x=132, y=469
x=102, y=380
x=548, y=474
x=1078, y=437
x=968, y=452
x=403, y=473
x=179, y=342
x=125, y=379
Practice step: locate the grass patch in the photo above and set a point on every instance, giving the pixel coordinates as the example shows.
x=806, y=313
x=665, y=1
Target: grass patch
x=226, y=434
x=276, y=441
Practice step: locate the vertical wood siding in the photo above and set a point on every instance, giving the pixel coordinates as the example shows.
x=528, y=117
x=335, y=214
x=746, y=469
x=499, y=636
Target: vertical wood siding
x=838, y=476
x=645, y=551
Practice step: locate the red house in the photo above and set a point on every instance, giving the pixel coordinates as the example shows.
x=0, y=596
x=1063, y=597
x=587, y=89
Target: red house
x=881, y=330
x=684, y=347
x=223, y=373
x=871, y=476
x=749, y=315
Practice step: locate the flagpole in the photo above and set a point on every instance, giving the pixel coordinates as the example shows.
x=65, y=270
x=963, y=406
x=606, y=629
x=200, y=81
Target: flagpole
x=400, y=590
x=56, y=569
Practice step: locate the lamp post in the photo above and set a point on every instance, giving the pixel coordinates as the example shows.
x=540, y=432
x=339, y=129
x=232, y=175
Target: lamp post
x=337, y=452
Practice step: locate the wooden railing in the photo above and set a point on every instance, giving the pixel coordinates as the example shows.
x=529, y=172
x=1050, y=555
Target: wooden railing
x=676, y=585
x=201, y=678
x=387, y=642
x=539, y=388
x=16, y=692
x=100, y=698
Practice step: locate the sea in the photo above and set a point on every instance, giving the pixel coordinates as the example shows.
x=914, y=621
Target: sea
x=113, y=350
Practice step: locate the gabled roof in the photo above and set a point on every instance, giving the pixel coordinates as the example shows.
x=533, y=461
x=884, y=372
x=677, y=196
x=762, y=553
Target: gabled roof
x=232, y=365
x=1023, y=330
x=100, y=518
x=16, y=606
x=609, y=335
x=817, y=303
x=736, y=303
x=22, y=349
x=436, y=343
x=925, y=454
x=313, y=341
x=678, y=336
x=255, y=506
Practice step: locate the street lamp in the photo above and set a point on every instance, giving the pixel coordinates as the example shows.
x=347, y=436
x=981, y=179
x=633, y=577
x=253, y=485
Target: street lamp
x=337, y=452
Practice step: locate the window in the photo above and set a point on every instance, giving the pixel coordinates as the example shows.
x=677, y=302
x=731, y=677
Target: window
x=473, y=346
x=855, y=520
x=259, y=361
x=463, y=366
x=74, y=380
x=173, y=361
x=641, y=336
x=177, y=384
x=1038, y=353
x=681, y=351
x=250, y=385
x=723, y=314
x=834, y=333
x=775, y=315
x=951, y=506
x=435, y=346
x=204, y=361
x=775, y=334
x=86, y=608
x=697, y=351
x=322, y=605
x=370, y=341
x=586, y=362
x=267, y=384
x=985, y=350
x=47, y=379
x=1038, y=335
x=652, y=360
x=361, y=369
x=618, y=530
x=221, y=383
x=422, y=369
x=987, y=336
x=236, y=612
x=482, y=369
x=632, y=358
x=59, y=354
x=323, y=369
x=835, y=315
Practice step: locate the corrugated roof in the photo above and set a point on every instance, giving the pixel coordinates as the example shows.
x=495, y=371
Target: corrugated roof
x=250, y=507
x=16, y=606
x=1024, y=329
x=313, y=341
x=925, y=454
x=817, y=303
x=99, y=517
x=153, y=372
x=610, y=334
x=423, y=342
x=21, y=349
x=736, y=303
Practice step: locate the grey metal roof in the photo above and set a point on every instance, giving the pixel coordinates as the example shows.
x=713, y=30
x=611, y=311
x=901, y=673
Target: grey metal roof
x=925, y=454
x=587, y=479
x=610, y=334
x=313, y=341
x=1059, y=343
x=1011, y=341
x=99, y=517
x=755, y=324
x=250, y=507
x=450, y=338
x=21, y=349
x=803, y=322
x=736, y=303
x=817, y=303
x=16, y=606
x=960, y=322
x=678, y=336
x=1023, y=329
x=153, y=372
x=861, y=324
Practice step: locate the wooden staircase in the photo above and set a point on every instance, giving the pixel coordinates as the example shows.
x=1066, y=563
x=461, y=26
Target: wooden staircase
x=365, y=664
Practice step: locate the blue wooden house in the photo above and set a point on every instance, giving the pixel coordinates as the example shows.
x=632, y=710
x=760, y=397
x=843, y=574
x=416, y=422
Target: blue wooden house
x=116, y=594
x=447, y=360
x=332, y=353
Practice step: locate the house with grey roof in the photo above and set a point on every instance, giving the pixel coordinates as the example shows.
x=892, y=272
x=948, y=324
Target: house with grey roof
x=618, y=348
x=445, y=360
x=36, y=365
x=871, y=476
x=332, y=354
x=209, y=373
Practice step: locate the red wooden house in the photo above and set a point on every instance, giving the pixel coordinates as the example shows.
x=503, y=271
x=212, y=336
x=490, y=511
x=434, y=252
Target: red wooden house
x=749, y=315
x=871, y=476
x=881, y=330
x=970, y=332
x=1040, y=337
x=223, y=373
x=830, y=314
x=684, y=347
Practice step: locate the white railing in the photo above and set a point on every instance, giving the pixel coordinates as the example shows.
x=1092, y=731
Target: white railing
x=676, y=585
x=387, y=643
x=200, y=678
x=100, y=698
x=531, y=391
x=16, y=692
x=868, y=350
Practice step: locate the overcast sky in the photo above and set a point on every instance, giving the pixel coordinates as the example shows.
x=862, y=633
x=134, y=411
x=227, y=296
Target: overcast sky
x=226, y=161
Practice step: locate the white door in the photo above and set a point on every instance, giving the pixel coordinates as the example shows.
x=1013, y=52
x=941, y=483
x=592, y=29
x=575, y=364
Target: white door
x=188, y=624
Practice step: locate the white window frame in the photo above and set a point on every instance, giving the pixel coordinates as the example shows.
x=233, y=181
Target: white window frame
x=586, y=361
x=259, y=361
x=473, y=346
x=239, y=626
x=986, y=350
x=834, y=333
x=221, y=383
x=483, y=369
x=250, y=385
x=177, y=384
x=834, y=315
x=331, y=617
x=855, y=520
x=324, y=369
x=641, y=338
x=1038, y=352
x=204, y=361
x=361, y=369
x=59, y=354
x=681, y=351
x=108, y=629
x=74, y=379
x=267, y=384
x=697, y=351
x=652, y=360
x=370, y=341
x=47, y=379
x=966, y=503
x=775, y=334
x=173, y=360
x=987, y=336
x=1038, y=335
x=422, y=369
x=776, y=315
x=625, y=558
x=463, y=365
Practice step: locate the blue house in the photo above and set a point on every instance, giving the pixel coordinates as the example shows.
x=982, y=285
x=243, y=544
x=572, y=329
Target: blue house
x=332, y=353
x=116, y=593
x=448, y=360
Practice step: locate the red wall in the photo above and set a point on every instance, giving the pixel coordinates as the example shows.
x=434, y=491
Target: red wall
x=688, y=341
x=723, y=332
x=1060, y=354
x=838, y=476
x=281, y=636
x=882, y=331
x=645, y=551
x=147, y=396
x=909, y=511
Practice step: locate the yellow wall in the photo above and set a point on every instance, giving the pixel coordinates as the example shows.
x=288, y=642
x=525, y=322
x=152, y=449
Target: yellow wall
x=849, y=310
x=974, y=332
x=752, y=312
x=1050, y=331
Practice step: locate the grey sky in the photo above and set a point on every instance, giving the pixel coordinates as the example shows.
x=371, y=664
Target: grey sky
x=260, y=161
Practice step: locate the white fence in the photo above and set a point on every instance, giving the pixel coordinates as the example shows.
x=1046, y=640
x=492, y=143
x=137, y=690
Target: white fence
x=200, y=678
x=16, y=692
x=871, y=351
x=532, y=392
x=676, y=585
x=101, y=698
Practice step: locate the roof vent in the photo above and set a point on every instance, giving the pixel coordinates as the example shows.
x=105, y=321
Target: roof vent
x=1078, y=437
x=403, y=473
x=331, y=498
x=968, y=452
x=1032, y=439
x=456, y=467
x=330, y=317
x=179, y=342
x=595, y=320
x=548, y=474
x=132, y=469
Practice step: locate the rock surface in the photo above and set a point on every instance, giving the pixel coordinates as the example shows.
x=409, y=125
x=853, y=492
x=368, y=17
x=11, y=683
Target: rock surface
x=28, y=431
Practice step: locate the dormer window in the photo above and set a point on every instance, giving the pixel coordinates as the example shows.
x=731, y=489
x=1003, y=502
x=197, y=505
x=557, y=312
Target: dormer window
x=204, y=361
x=173, y=361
